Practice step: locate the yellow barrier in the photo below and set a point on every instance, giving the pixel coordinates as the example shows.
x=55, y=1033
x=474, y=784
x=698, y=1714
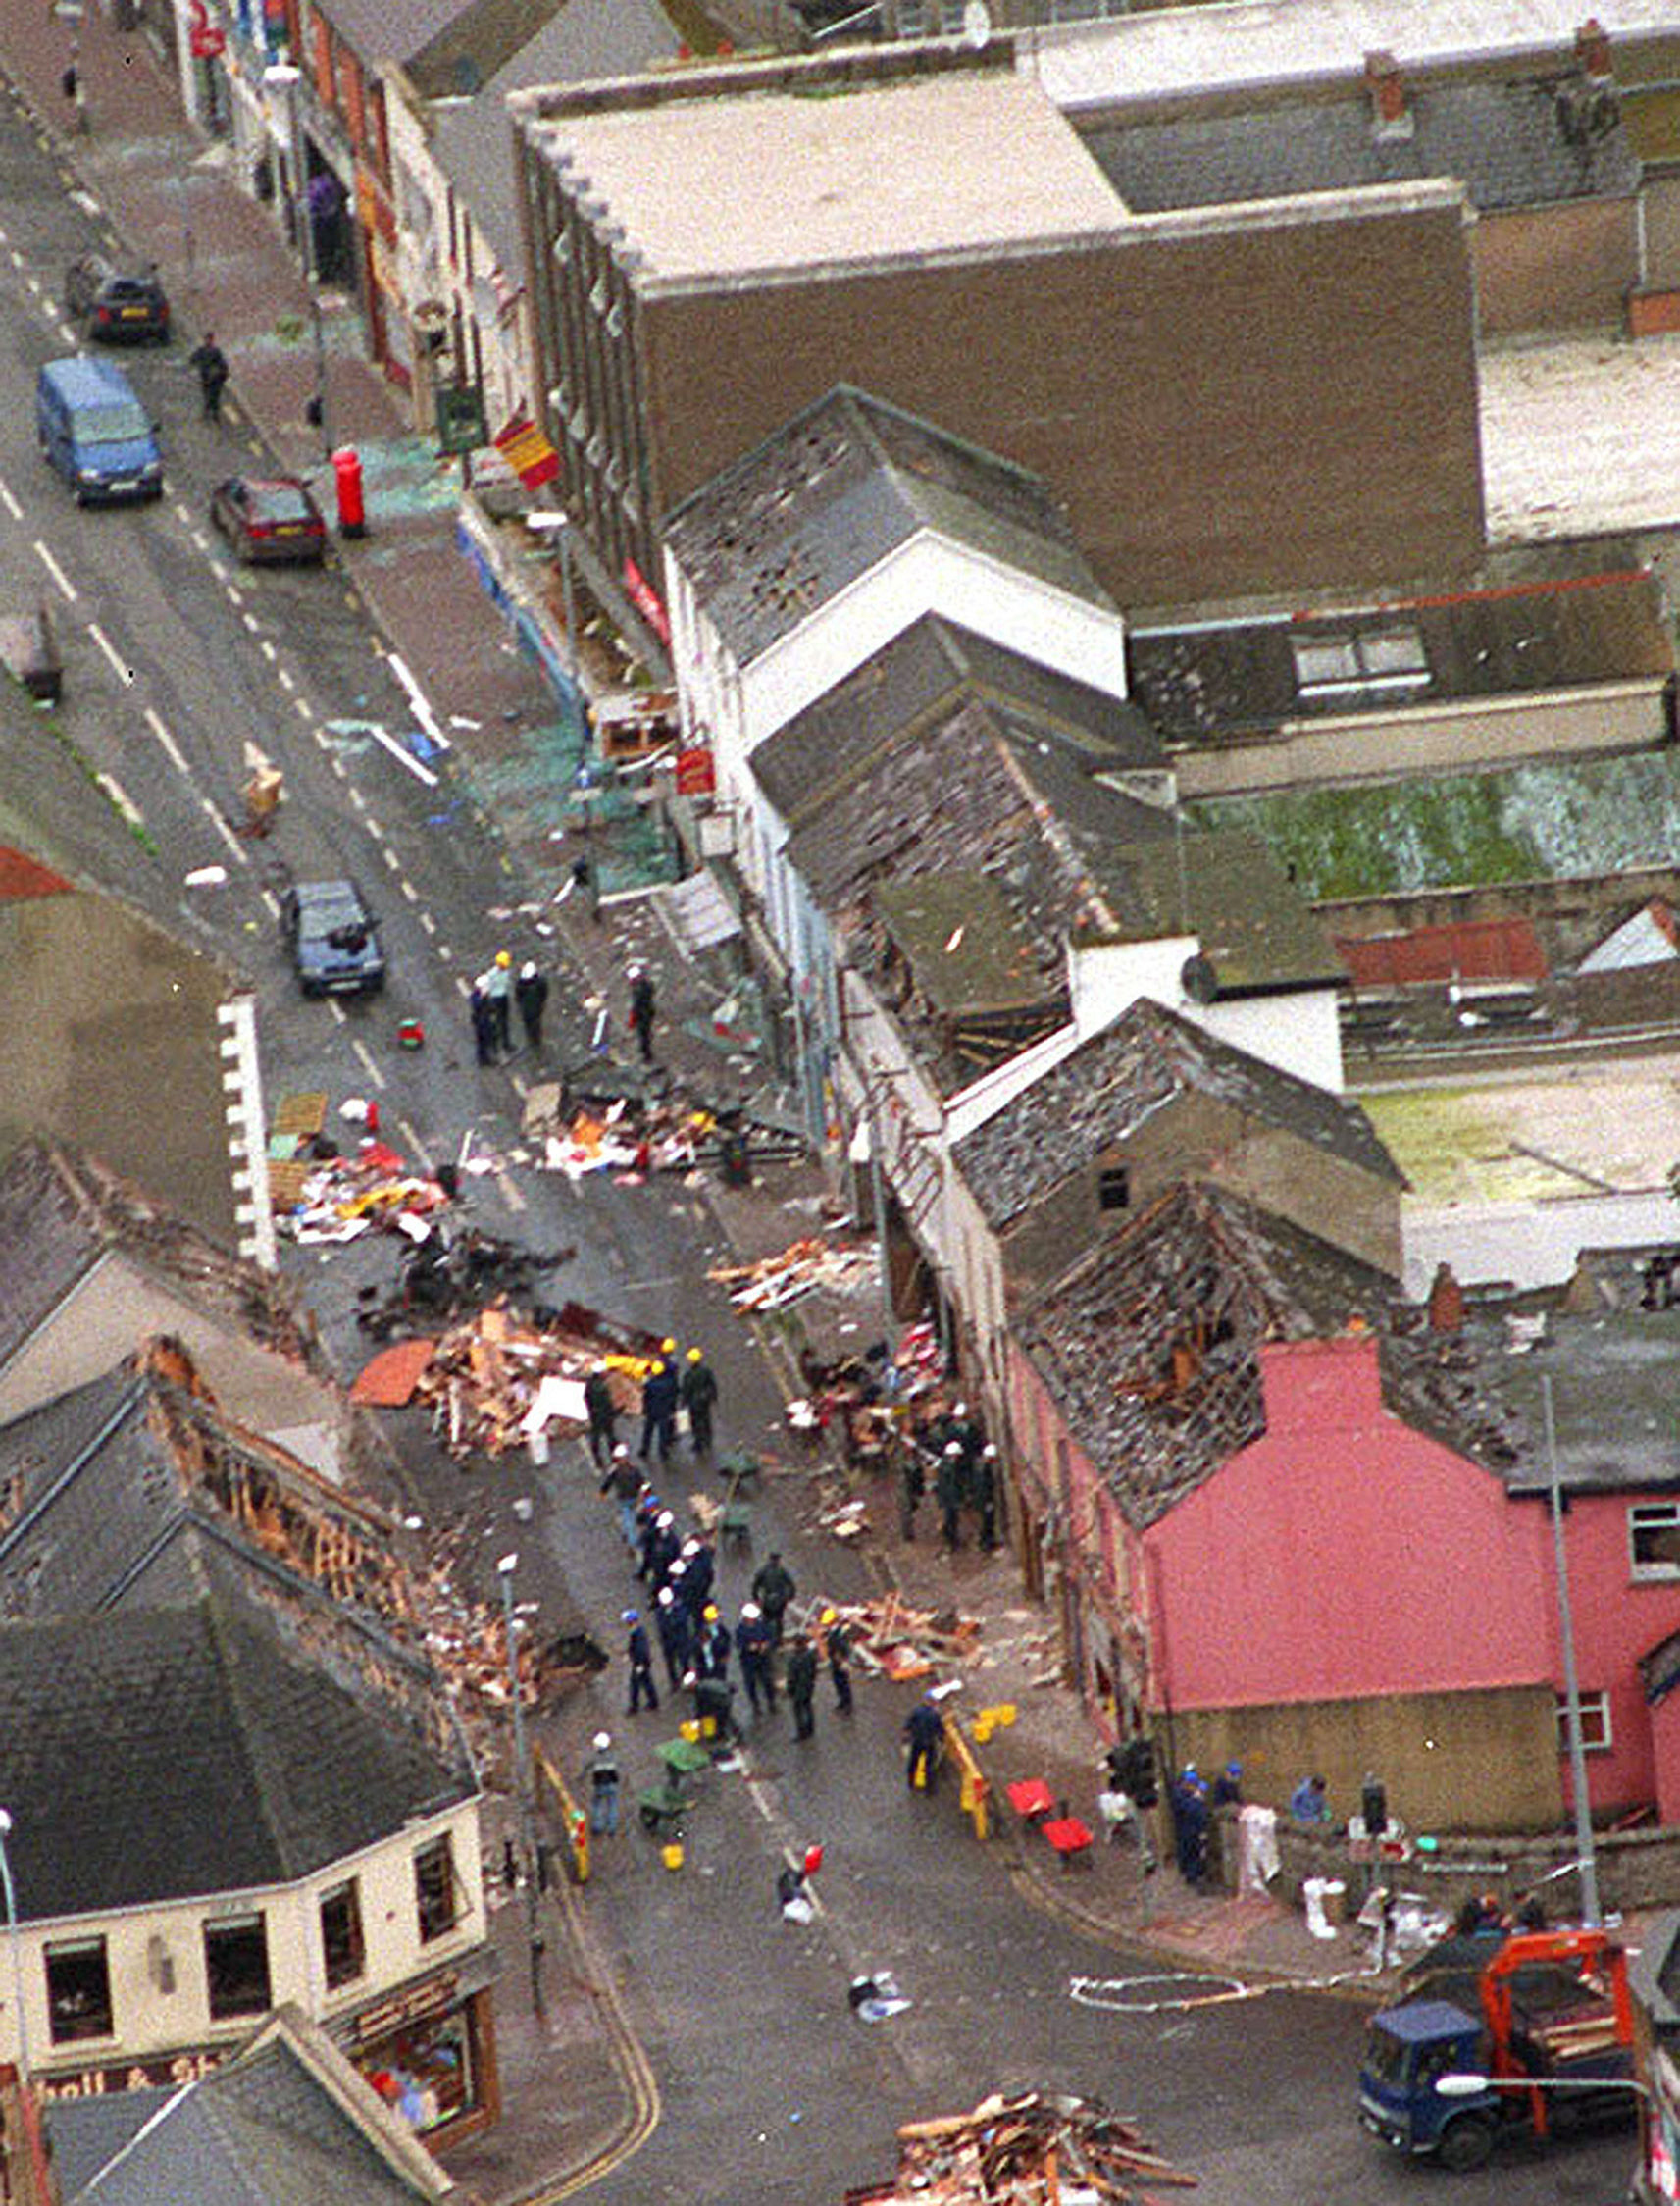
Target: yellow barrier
x=576, y=1822
x=973, y=1790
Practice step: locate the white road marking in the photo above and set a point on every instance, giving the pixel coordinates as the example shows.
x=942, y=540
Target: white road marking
x=10, y=502
x=358, y=799
x=336, y=1008
x=268, y=650
x=171, y=748
x=416, y=1144
x=301, y=706
x=55, y=570
x=409, y=890
x=251, y=622
x=510, y=1194
x=226, y=831
x=428, y=923
x=120, y=797
x=123, y=673
x=368, y=1065
x=462, y=984
x=393, y=860
x=272, y=902
x=286, y=680
x=183, y=513
x=406, y=758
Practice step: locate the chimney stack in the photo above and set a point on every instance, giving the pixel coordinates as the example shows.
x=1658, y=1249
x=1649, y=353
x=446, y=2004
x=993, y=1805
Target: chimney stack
x=1593, y=50
x=1391, y=117
x=1446, y=1302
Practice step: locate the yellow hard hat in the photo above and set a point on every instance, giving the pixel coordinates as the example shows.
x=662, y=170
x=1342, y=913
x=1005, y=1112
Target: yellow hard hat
x=830, y=1615
x=502, y=957
x=668, y=1346
x=696, y=1355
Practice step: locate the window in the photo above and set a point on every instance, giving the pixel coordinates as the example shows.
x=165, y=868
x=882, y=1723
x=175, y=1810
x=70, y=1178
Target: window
x=79, y=1990
x=237, y=1966
x=342, y=1935
x=1382, y=658
x=435, y=1892
x=1653, y=1539
x=1113, y=1188
x=1596, y=1735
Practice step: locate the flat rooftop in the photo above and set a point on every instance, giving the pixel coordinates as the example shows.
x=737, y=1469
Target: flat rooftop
x=710, y=188
x=1166, y=51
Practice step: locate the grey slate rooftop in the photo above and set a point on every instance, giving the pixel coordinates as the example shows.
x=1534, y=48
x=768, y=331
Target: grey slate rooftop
x=156, y=1755
x=60, y=1213
x=1601, y=620
x=781, y=530
x=1107, y=1087
x=929, y=669
x=1510, y=145
x=284, y=2123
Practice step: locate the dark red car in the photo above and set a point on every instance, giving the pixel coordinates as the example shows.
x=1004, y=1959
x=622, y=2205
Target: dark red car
x=269, y=517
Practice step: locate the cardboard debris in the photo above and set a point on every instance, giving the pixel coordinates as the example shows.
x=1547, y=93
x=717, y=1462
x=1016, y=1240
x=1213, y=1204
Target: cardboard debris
x=800, y=1269
x=389, y=1381
x=1036, y=2149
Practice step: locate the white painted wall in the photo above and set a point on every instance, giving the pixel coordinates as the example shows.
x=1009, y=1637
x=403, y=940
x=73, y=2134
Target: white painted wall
x=149, y=2024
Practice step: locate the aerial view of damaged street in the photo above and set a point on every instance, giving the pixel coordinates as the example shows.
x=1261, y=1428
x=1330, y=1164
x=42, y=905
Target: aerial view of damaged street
x=840, y=1039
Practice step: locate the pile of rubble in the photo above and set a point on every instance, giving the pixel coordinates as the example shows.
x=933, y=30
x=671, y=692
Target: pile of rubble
x=502, y=1379
x=798, y=1269
x=891, y=1639
x=1038, y=2149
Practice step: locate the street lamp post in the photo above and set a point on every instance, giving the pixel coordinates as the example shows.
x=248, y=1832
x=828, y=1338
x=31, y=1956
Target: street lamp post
x=505, y=1569
x=12, y=1939
x=1587, y=1858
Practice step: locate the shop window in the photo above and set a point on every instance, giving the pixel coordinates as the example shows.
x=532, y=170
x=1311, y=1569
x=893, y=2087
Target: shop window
x=237, y=1966
x=1653, y=1539
x=427, y=2074
x=342, y=1935
x=79, y=1990
x=435, y=1893
x=1596, y=1735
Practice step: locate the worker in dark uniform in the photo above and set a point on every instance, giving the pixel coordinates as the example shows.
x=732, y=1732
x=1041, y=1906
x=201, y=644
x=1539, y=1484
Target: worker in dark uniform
x=924, y=1728
x=839, y=1644
x=984, y=1486
x=949, y=1483
x=698, y=1388
x=801, y=1681
x=639, y=1652
x=772, y=1587
x=659, y=1410
x=753, y=1644
x=602, y=1414
x=671, y=1621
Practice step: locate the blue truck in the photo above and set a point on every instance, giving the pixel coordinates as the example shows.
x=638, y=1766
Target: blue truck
x=1536, y=2039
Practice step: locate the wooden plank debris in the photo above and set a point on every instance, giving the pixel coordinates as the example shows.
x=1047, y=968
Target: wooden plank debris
x=798, y=1269
x=1028, y=2150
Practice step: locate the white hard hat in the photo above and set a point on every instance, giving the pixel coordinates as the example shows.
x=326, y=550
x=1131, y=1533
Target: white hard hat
x=603, y=1739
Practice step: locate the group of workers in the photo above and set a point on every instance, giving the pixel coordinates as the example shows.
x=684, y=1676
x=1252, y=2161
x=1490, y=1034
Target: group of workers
x=668, y=1385
x=950, y=1442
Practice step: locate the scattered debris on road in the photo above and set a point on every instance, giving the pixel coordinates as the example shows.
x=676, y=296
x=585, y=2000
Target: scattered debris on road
x=1039, y=2148
x=798, y=1269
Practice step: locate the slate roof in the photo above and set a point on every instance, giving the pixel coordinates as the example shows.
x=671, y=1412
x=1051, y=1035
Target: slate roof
x=483, y=55
x=1112, y=1084
x=262, y=2129
x=1510, y=145
x=931, y=667
x=1202, y=684
x=1201, y=1274
x=60, y=1213
x=376, y=31
x=164, y=1754
x=780, y=532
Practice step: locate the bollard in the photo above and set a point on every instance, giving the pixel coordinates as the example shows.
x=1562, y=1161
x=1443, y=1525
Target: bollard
x=579, y=1846
x=347, y=480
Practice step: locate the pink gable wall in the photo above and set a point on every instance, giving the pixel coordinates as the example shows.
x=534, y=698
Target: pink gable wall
x=1344, y=1553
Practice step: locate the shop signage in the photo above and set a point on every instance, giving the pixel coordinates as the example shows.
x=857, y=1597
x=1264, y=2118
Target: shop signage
x=646, y=599
x=132, y=2075
x=460, y=418
x=405, y=2008
x=528, y=452
x=695, y=775
x=202, y=36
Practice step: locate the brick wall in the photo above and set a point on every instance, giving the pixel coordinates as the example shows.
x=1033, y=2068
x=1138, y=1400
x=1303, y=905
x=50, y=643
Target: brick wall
x=1638, y=1869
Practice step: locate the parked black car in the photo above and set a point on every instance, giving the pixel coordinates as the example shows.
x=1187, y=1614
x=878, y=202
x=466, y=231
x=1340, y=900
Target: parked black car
x=269, y=517
x=334, y=940
x=121, y=305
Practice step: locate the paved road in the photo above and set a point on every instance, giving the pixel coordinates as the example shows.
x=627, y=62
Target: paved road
x=770, y=2088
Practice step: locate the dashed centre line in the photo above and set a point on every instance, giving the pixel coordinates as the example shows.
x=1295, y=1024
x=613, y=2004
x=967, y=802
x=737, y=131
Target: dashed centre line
x=56, y=571
x=368, y=1065
x=172, y=748
x=123, y=673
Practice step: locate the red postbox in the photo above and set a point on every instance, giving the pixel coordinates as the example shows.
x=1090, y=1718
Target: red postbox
x=347, y=476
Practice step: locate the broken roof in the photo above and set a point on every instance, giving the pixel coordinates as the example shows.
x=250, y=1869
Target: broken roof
x=59, y=1214
x=1113, y=1083
x=973, y=159
x=1207, y=682
x=780, y=532
x=1149, y=1343
x=927, y=668
x=1510, y=145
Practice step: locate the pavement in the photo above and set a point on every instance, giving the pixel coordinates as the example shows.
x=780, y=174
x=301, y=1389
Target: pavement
x=169, y=197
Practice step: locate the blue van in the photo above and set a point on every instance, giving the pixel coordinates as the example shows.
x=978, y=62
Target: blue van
x=96, y=432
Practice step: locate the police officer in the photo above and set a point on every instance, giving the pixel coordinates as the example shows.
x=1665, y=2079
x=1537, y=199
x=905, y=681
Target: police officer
x=639, y=1652
x=801, y=1678
x=753, y=1644
x=671, y=1621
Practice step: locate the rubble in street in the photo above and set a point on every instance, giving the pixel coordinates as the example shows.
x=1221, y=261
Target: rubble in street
x=891, y=1639
x=801, y=1268
x=501, y=1378
x=606, y=1119
x=1039, y=2148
